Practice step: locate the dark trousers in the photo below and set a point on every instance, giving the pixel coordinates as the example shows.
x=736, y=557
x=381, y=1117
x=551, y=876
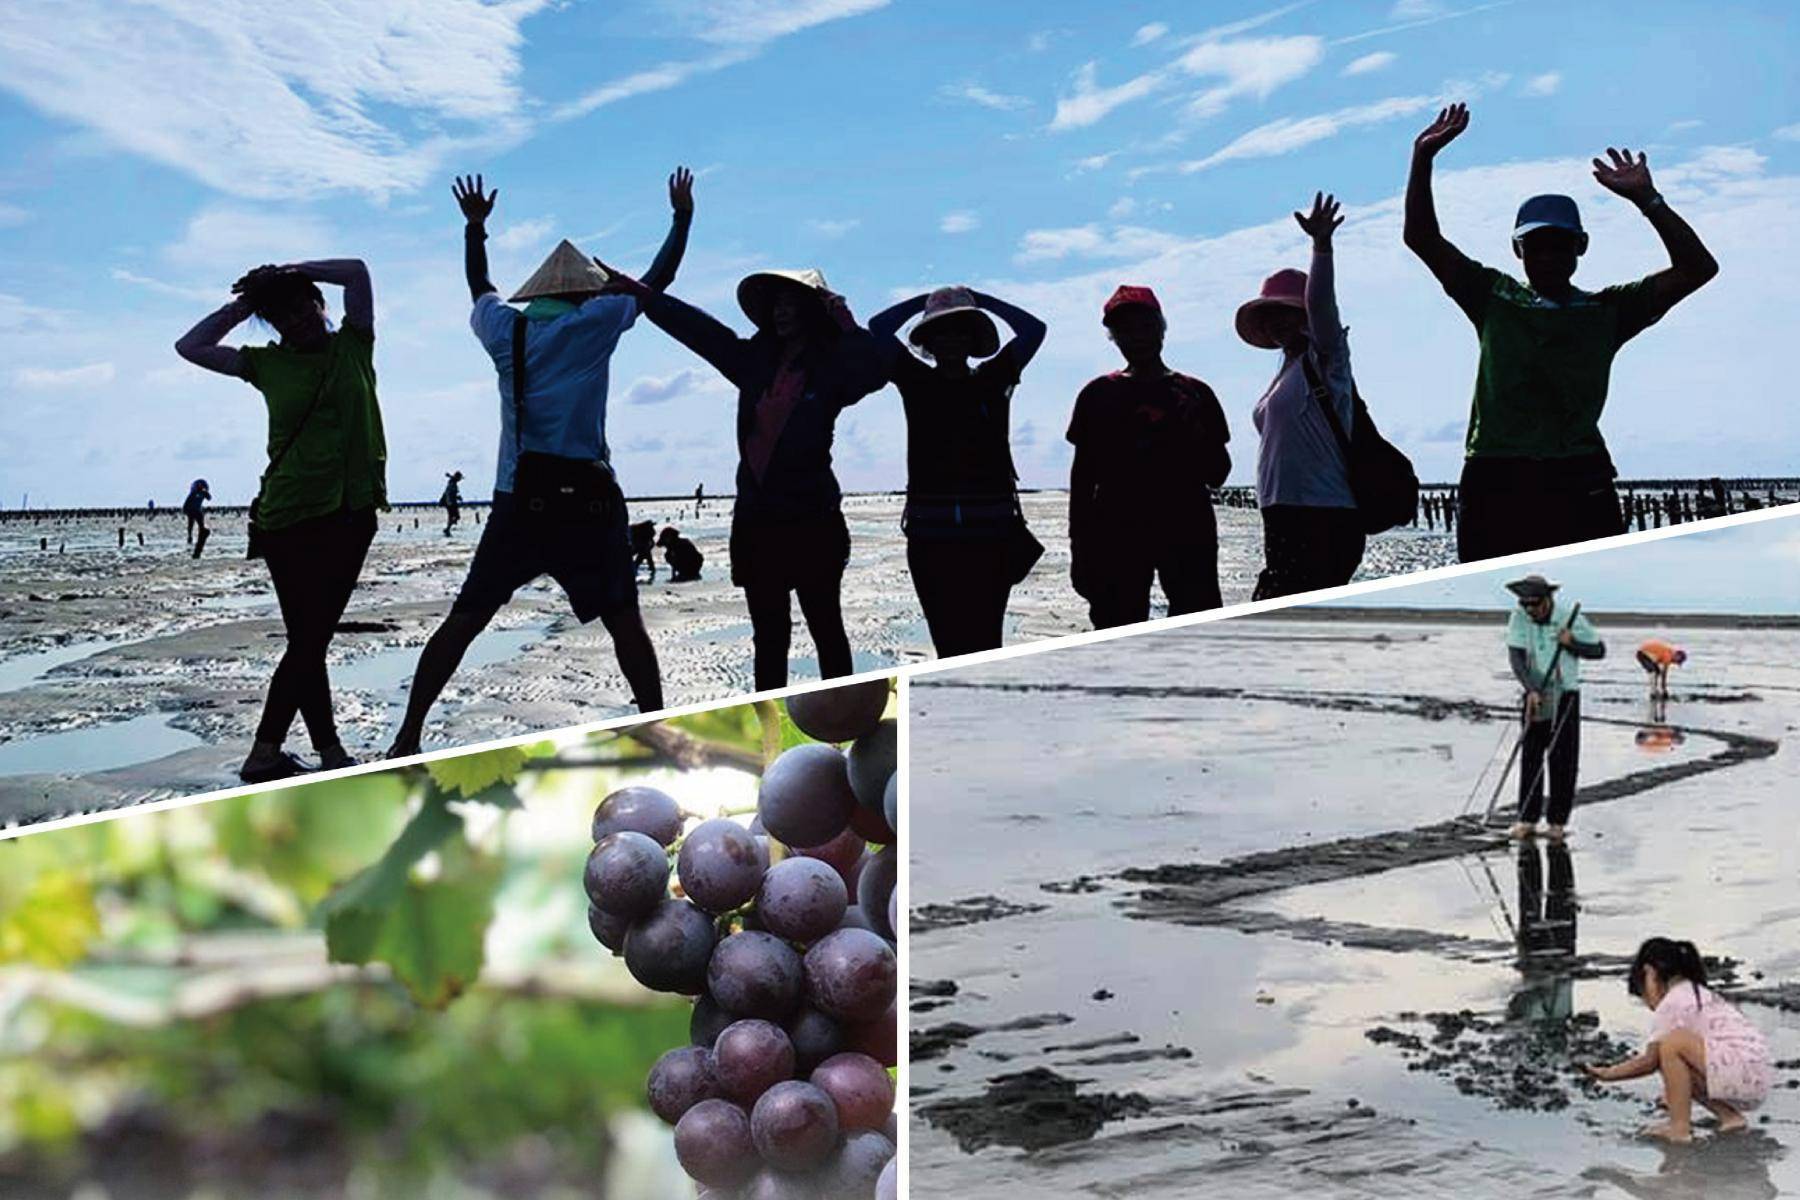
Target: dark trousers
x=314, y=566
x=1306, y=547
x=1511, y=505
x=1565, y=763
x=1118, y=592
x=963, y=589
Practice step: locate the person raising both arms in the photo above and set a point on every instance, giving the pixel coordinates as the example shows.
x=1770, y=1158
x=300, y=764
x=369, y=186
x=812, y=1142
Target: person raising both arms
x=962, y=506
x=314, y=517
x=807, y=361
x=1149, y=446
x=1537, y=472
x=558, y=509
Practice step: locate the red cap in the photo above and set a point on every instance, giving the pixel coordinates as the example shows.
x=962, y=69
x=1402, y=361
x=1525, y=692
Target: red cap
x=1130, y=294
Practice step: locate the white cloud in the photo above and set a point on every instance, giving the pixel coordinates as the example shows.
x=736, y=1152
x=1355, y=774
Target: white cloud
x=1121, y=208
x=655, y=389
x=1370, y=63
x=232, y=239
x=1684, y=126
x=1711, y=162
x=213, y=296
x=1094, y=162
x=1416, y=10
x=65, y=377
x=1149, y=33
x=1252, y=67
x=1543, y=85
x=832, y=229
x=523, y=235
x=1039, y=40
x=1789, y=133
x=1090, y=103
x=659, y=78
x=1287, y=134
x=961, y=221
x=974, y=93
x=20, y=315
x=1091, y=241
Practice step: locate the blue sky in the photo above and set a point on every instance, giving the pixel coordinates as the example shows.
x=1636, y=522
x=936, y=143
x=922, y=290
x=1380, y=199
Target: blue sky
x=1045, y=151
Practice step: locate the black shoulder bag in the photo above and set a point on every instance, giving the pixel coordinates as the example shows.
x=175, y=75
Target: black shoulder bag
x=1382, y=479
x=255, y=543
x=550, y=485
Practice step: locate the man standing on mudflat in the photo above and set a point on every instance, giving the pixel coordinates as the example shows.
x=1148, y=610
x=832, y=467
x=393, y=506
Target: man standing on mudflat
x=1545, y=643
x=1537, y=472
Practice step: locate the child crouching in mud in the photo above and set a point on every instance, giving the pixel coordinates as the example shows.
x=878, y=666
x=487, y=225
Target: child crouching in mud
x=1706, y=1050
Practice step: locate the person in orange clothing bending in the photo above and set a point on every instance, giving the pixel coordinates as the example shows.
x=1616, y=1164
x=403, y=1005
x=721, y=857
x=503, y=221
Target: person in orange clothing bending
x=1656, y=657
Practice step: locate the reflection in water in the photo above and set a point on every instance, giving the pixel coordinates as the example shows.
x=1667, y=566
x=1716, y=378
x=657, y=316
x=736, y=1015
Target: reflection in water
x=1735, y=1167
x=1545, y=934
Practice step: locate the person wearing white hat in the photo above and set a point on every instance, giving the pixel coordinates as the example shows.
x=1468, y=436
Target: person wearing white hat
x=1537, y=472
x=558, y=509
x=966, y=541
x=807, y=361
x=1545, y=643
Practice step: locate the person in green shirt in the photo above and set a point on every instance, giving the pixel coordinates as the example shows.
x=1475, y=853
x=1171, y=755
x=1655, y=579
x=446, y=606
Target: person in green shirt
x=315, y=515
x=1545, y=643
x=1537, y=472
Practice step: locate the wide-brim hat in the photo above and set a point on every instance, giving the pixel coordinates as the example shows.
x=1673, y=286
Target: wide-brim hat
x=757, y=291
x=949, y=307
x=1285, y=289
x=1532, y=587
x=566, y=272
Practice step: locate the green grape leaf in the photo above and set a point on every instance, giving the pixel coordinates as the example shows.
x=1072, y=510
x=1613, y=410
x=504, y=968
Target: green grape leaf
x=309, y=837
x=53, y=923
x=468, y=774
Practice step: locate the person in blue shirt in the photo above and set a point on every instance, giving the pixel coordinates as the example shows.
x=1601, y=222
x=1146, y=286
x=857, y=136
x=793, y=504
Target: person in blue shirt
x=557, y=509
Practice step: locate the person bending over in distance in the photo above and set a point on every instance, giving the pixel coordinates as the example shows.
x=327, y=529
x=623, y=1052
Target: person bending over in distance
x=1656, y=657
x=558, y=509
x=1149, y=446
x=1545, y=643
x=807, y=361
x=962, y=501
x=1537, y=472
x=1312, y=537
x=451, y=500
x=194, y=509
x=643, y=547
x=1707, y=1052
x=314, y=518
x=684, y=558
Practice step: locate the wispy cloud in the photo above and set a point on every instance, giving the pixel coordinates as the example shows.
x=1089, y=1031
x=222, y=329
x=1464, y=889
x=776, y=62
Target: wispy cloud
x=962, y=221
x=1789, y=133
x=659, y=78
x=1093, y=242
x=1149, y=33
x=523, y=235
x=161, y=287
x=1542, y=85
x=1246, y=67
x=975, y=93
x=832, y=228
x=1370, y=63
x=1287, y=134
x=660, y=389
x=1411, y=14
x=231, y=238
x=65, y=377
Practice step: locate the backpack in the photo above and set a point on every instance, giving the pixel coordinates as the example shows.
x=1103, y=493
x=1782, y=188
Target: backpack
x=1381, y=478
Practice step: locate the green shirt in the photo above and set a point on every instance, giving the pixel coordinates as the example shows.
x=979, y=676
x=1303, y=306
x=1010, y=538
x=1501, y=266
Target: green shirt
x=1544, y=365
x=339, y=460
x=1538, y=641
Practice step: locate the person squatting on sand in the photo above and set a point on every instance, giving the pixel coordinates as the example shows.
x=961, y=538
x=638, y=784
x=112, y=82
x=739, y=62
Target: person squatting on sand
x=1707, y=1052
x=1312, y=535
x=684, y=558
x=1656, y=657
x=314, y=516
x=558, y=509
x=1537, y=472
x=1149, y=446
x=966, y=541
x=807, y=361
x=1545, y=643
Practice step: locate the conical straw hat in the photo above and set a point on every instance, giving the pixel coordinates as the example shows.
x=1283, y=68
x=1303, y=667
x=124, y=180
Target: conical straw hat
x=755, y=292
x=566, y=271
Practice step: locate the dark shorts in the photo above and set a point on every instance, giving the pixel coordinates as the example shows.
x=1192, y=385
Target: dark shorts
x=589, y=556
x=808, y=553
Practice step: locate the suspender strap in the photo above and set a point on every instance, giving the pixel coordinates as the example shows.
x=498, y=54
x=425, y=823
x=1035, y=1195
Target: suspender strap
x=518, y=382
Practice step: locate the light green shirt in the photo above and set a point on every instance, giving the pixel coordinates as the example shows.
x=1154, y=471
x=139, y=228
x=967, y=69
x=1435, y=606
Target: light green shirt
x=1539, y=644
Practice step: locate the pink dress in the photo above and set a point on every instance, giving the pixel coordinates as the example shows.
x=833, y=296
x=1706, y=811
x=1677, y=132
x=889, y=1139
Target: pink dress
x=1737, y=1055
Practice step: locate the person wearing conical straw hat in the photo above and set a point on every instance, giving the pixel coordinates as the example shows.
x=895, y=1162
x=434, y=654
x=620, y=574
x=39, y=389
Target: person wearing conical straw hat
x=1312, y=535
x=558, y=509
x=966, y=541
x=1546, y=640
x=807, y=361
x=1149, y=443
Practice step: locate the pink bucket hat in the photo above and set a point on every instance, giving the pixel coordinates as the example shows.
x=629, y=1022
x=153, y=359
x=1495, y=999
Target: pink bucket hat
x=956, y=306
x=1284, y=289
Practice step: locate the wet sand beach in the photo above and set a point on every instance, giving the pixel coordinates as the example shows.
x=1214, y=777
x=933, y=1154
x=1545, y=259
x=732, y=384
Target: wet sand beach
x=1201, y=919
x=137, y=673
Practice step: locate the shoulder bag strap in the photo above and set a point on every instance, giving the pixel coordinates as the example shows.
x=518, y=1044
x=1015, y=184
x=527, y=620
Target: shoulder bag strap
x=1322, y=394
x=518, y=382
x=325, y=378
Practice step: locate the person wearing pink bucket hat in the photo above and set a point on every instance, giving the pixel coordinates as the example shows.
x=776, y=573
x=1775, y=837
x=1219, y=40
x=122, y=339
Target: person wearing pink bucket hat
x=1312, y=534
x=966, y=540
x=1150, y=444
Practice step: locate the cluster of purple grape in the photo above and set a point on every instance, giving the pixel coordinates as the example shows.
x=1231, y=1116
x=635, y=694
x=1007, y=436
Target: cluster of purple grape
x=783, y=933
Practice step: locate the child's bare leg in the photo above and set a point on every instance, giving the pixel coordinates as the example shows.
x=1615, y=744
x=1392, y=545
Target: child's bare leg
x=1730, y=1119
x=1683, y=1065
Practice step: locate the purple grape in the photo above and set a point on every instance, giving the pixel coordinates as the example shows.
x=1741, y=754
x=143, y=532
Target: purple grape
x=890, y=1129
x=856, y=918
x=816, y=1037
x=879, y=1039
x=871, y=825
x=794, y=1126
x=707, y=1022
x=874, y=887
x=608, y=929
x=840, y=714
x=802, y=899
x=627, y=874
x=856, y=869
x=714, y=1144
x=852, y=1172
x=667, y=951
x=749, y=1058
x=888, y=1186
x=841, y=852
x=720, y=865
x=890, y=803
x=681, y=1078
x=755, y=975
x=642, y=810
x=872, y=761
x=859, y=1086
x=770, y=1184
x=806, y=798
x=850, y=975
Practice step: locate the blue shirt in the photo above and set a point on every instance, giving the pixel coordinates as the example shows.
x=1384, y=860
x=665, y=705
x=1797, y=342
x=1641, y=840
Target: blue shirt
x=566, y=362
x=1538, y=641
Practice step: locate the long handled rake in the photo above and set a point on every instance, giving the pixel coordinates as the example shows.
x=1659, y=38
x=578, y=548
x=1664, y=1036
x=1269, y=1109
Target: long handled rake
x=1525, y=726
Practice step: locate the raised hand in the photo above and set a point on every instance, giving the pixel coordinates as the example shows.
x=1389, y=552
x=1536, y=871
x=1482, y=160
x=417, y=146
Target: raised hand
x=681, y=192
x=619, y=283
x=1628, y=177
x=1447, y=128
x=1324, y=219
x=475, y=207
x=255, y=275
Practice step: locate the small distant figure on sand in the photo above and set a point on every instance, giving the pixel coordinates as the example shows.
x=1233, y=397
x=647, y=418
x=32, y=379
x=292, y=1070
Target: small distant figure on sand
x=451, y=500
x=1656, y=657
x=194, y=508
x=1707, y=1052
x=699, y=497
x=684, y=558
x=643, y=547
